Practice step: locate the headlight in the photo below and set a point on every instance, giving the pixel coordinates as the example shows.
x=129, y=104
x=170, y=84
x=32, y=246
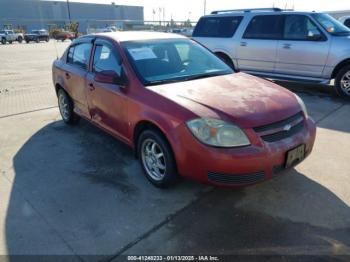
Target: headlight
x=302, y=105
x=215, y=132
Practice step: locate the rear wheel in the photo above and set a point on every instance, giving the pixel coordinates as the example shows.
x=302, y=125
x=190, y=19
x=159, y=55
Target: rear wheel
x=3, y=41
x=47, y=39
x=20, y=39
x=157, y=159
x=65, y=105
x=37, y=40
x=10, y=42
x=342, y=82
x=226, y=59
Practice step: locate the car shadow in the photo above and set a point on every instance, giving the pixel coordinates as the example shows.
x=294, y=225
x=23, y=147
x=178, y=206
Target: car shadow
x=76, y=190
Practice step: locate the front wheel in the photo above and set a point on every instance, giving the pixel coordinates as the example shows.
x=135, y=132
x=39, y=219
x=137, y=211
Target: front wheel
x=37, y=40
x=20, y=39
x=157, y=159
x=3, y=41
x=342, y=82
x=65, y=105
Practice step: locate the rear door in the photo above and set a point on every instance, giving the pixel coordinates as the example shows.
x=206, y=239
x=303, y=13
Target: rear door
x=75, y=71
x=257, y=50
x=107, y=102
x=303, y=50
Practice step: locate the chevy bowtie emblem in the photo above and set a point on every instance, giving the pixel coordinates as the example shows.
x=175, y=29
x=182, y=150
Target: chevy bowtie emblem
x=287, y=127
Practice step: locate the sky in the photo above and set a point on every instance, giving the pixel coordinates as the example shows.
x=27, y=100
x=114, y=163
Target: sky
x=192, y=9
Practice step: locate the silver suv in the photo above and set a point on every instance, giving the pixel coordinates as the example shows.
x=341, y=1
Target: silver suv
x=286, y=45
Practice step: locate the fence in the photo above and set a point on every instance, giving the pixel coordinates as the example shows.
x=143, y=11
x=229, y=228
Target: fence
x=90, y=25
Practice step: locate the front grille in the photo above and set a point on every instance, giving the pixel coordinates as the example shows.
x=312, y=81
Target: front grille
x=242, y=179
x=276, y=131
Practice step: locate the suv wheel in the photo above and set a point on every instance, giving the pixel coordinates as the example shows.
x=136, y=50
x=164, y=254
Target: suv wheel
x=20, y=39
x=65, y=105
x=37, y=40
x=3, y=41
x=227, y=60
x=342, y=82
x=157, y=159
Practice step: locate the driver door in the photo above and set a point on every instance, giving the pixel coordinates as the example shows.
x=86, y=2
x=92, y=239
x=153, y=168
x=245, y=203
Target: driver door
x=107, y=102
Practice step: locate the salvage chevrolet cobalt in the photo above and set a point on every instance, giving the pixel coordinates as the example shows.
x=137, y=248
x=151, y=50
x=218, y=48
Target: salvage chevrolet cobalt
x=183, y=110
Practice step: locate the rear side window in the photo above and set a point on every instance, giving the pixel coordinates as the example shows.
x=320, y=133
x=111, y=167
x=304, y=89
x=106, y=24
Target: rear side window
x=79, y=55
x=217, y=26
x=347, y=22
x=264, y=27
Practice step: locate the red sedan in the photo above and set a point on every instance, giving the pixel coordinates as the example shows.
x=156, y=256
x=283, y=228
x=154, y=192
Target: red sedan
x=183, y=110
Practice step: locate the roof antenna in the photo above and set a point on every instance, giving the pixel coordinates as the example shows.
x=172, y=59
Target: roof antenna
x=55, y=44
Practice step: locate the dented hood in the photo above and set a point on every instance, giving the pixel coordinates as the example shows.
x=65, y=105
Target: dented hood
x=246, y=100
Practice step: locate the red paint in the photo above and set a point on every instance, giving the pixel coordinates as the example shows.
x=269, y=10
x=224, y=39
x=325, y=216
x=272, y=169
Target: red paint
x=245, y=100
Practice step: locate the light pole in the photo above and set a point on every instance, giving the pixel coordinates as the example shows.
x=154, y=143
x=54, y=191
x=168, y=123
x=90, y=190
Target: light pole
x=68, y=9
x=205, y=6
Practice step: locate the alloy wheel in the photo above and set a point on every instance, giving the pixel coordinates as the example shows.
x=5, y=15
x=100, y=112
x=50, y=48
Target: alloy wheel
x=345, y=83
x=63, y=105
x=153, y=159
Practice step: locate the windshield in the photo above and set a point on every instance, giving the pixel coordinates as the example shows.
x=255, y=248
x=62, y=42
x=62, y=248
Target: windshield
x=331, y=25
x=160, y=61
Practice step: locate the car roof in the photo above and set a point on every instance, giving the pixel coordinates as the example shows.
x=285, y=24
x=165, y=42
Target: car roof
x=121, y=36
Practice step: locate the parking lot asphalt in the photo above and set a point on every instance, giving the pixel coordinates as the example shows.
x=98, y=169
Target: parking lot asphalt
x=78, y=191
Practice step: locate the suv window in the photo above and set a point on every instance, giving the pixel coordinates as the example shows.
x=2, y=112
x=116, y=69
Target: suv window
x=225, y=26
x=264, y=27
x=105, y=59
x=347, y=22
x=79, y=55
x=299, y=27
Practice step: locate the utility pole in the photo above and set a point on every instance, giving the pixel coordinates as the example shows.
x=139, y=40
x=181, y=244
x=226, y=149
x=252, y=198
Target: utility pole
x=68, y=9
x=205, y=6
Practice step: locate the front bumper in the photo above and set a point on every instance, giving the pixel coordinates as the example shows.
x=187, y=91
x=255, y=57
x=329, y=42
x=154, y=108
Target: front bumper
x=238, y=167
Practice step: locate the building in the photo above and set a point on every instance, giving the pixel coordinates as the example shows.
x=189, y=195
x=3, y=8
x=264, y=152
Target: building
x=339, y=14
x=37, y=14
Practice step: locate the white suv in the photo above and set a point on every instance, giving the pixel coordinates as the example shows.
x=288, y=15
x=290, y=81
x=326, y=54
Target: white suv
x=287, y=45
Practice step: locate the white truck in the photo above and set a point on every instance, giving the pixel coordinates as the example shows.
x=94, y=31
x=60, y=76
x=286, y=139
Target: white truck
x=10, y=36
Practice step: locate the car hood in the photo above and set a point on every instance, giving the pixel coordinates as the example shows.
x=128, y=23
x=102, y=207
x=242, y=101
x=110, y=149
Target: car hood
x=244, y=99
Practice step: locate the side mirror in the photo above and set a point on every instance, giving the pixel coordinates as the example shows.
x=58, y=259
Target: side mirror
x=314, y=35
x=111, y=77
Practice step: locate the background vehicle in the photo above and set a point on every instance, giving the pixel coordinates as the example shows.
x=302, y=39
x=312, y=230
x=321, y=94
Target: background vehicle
x=10, y=36
x=37, y=36
x=63, y=35
x=182, y=109
x=286, y=45
x=345, y=20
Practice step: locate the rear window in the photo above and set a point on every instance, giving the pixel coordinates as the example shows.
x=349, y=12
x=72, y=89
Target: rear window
x=217, y=26
x=264, y=27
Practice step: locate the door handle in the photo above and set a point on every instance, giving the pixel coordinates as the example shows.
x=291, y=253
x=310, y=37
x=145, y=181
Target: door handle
x=91, y=87
x=243, y=43
x=67, y=75
x=287, y=46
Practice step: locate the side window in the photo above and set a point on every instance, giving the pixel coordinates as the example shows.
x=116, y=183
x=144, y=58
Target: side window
x=299, y=27
x=264, y=27
x=70, y=55
x=105, y=59
x=224, y=26
x=79, y=55
x=347, y=22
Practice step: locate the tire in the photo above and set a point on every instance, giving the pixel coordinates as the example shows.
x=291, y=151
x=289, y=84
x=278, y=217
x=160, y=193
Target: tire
x=10, y=42
x=158, y=157
x=47, y=39
x=27, y=41
x=3, y=41
x=226, y=60
x=37, y=40
x=66, y=106
x=342, y=82
x=20, y=39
